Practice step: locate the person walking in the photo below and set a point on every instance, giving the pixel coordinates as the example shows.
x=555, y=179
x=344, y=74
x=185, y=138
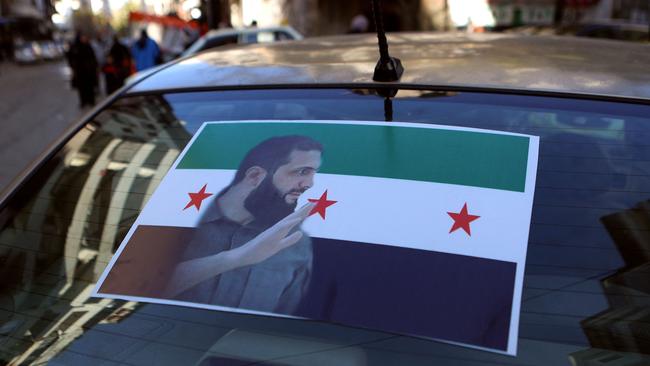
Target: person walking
x=145, y=52
x=118, y=66
x=83, y=63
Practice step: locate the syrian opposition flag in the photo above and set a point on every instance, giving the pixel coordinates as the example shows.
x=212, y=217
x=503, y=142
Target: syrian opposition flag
x=416, y=229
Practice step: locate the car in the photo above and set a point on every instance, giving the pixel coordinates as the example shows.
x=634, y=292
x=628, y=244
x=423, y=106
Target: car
x=50, y=50
x=35, y=51
x=28, y=52
x=223, y=37
x=228, y=37
x=585, y=291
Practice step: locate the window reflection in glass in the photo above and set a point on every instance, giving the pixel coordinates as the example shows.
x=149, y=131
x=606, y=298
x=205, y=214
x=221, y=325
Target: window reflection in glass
x=61, y=229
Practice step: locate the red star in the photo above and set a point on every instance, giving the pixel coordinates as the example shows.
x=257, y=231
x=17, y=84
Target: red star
x=321, y=204
x=197, y=198
x=462, y=220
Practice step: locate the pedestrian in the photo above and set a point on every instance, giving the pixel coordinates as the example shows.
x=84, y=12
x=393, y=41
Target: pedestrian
x=2, y=44
x=6, y=44
x=145, y=52
x=118, y=66
x=83, y=63
x=359, y=24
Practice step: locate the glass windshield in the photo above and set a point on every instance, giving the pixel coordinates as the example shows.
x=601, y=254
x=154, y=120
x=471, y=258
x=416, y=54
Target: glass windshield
x=586, y=291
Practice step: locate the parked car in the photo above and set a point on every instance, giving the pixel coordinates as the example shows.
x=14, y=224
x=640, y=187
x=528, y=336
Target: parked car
x=50, y=50
x=586, y=294
x=28, y=52
x=226, y=37
x=34, y=51
x=223, y=37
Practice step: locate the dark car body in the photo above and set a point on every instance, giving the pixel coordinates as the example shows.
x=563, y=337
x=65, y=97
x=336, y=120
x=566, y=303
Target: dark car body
x=586, y=299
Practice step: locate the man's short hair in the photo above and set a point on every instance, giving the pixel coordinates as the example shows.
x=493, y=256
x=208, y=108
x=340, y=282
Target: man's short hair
x=272, y=153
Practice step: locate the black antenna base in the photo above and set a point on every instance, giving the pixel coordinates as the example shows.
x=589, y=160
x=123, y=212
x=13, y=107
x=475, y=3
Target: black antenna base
x=389, y=69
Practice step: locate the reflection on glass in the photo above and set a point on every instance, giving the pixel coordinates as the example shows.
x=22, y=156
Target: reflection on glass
x=624, y=328
x=71, y=219
x=240, y=347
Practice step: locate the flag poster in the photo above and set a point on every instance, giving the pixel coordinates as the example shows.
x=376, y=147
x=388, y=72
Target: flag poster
x=407, y=228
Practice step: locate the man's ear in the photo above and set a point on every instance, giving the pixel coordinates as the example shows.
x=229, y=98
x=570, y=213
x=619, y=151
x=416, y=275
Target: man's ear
x=255, y=175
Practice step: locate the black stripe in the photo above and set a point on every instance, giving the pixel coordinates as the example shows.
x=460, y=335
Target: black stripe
x=409, y=291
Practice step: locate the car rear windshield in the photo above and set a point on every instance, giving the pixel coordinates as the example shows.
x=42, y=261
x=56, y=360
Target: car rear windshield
x=586, y=298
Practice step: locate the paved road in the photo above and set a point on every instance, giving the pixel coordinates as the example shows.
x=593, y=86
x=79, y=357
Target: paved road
x=36, y=105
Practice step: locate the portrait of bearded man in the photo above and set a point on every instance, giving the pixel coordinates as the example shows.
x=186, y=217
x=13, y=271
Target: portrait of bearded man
x=248, y=250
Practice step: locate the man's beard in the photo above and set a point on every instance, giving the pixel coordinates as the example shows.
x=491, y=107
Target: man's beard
x=267, y=204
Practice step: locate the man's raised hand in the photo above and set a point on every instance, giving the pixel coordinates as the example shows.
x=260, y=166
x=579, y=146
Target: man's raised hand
x=263, y=246
x=274, y=239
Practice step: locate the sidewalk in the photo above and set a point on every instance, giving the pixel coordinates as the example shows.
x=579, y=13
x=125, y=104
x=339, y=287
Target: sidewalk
x=36, y=105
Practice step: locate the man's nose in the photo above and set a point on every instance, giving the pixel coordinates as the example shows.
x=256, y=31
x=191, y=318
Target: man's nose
x=307, y=182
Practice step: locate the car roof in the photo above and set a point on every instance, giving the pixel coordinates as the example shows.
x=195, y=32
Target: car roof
x=502, y=61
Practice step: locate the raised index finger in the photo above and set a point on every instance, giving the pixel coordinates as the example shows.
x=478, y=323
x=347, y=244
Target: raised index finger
x=300, y=214
x=304, y=211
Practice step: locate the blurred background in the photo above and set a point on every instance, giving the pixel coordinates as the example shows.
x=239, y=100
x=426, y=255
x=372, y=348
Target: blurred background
x=59, y=57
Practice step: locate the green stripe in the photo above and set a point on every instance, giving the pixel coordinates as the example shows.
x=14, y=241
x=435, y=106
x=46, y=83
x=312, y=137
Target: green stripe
x=468, y=158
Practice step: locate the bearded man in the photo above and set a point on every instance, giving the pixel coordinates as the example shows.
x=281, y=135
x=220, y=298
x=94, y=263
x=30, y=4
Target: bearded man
x=248, y=251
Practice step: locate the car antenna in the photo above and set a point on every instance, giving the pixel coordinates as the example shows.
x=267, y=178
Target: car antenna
x=388, y=104
x=387, y=68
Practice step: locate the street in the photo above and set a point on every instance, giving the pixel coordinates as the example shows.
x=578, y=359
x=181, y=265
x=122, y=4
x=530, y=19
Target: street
x=36, y=104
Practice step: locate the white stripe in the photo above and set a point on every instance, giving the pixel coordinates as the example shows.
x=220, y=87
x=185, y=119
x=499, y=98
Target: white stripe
x=392, y=212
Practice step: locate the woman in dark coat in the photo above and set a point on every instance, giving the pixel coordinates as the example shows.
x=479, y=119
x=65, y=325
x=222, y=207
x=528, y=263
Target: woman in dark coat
x=118, y=66
x=83, y=62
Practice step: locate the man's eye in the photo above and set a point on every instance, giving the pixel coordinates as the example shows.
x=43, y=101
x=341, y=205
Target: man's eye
x=304, y=171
